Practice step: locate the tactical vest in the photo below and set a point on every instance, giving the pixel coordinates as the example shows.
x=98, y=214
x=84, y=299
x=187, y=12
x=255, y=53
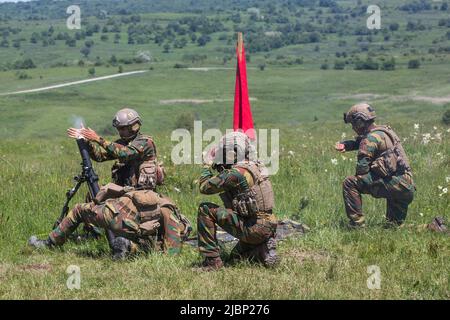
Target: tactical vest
x=143, y=173
x=392, y=161
x=261, y=191
x=148, y=205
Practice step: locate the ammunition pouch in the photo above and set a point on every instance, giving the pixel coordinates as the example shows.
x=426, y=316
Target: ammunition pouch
x=245, y=205
x=151, y=174
x=385, y=165
x=110, y=191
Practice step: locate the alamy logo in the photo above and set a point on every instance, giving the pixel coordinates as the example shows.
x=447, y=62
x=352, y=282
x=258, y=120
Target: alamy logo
x=74, y=21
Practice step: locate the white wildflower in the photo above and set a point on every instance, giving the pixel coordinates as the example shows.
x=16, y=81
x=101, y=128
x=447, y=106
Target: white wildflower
x=344, y=135
x=426, y=138
x=445, y=190
x=344, y=158
x=291, y=153
x=421, y=214
x=435, y=128
x=447, y=179
x=334, y=161
x=440, y=187
x=177, y=190
x=416, y=126
x=439, y=136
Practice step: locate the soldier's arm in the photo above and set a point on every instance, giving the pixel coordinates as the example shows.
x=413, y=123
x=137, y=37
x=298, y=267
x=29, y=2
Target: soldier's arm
x=366, y=154
x=97, y=153
x=352, y=145
x=136, y=150
x=227, y=179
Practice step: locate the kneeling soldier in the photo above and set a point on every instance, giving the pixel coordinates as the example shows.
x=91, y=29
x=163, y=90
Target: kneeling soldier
x=382, y=170
x=139, y=219
x=248, y=200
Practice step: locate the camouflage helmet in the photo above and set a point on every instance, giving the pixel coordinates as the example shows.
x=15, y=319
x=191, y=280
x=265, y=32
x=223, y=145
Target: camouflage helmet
x=361, y=111
x=233, y=147
x=126, y=117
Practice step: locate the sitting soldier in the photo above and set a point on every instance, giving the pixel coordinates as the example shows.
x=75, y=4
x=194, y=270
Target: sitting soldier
x=140, y=219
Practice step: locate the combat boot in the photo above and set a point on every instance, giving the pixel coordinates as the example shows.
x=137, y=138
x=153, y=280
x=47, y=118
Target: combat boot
x=266, y=253
x=121, y=247
x=40, y=244
x=212, y=264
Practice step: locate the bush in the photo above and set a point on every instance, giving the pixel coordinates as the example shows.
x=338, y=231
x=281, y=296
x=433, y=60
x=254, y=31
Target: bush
x=369, y=64
x=91, y=71
x=414, y=64
x=339, y=65
x=324, y=66
x=388, y=65
x=22, y=75
x=446, y=117
x=24, y=64
x=179, y=66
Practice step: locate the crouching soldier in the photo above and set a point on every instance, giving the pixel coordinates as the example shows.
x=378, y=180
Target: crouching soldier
x=140, y=219
x=248, y=200
x=382, y=170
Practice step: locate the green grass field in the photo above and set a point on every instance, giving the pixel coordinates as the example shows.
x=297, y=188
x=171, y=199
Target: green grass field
x=37, y=163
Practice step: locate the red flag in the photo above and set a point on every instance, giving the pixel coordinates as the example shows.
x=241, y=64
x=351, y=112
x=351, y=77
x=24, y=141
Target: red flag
x=243, y=119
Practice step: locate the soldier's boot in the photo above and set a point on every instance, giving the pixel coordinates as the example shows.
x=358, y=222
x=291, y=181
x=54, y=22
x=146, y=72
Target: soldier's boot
x=266, y=253
x=357, y=222
x=121, y=248
x=40, y=244
x=212, y=264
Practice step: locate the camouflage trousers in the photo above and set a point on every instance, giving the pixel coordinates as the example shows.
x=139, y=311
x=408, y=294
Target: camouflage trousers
x=250, y=232
x=398, y=192
x=122, y=224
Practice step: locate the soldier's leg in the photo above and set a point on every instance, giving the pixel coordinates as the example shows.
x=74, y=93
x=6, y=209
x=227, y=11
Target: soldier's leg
x=172, y=229
x=207, y=228
x=354, y=187
x=353, y=200
x=401, y=194
x=98, y=215
x=249, y=232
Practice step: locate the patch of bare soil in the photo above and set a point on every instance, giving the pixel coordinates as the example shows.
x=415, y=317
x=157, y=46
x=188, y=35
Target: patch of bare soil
x=196, y=101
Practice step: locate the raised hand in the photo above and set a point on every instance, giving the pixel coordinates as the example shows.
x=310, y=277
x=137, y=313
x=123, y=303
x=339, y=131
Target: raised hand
x=340, y=147
x=90, y=134
x=74, y=133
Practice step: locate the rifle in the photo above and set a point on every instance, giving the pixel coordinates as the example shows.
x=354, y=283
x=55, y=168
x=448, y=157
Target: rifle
x=89, y=176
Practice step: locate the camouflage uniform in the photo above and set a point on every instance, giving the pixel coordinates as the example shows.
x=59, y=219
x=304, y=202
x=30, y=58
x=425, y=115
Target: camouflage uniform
x=125, y=217
x=398, y=188
x=137, y=164
x=251, y=231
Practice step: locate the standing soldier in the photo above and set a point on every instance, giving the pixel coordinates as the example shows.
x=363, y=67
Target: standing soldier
x=136, y=164
x=138, y=218
x=382, y=169
x=248, y=200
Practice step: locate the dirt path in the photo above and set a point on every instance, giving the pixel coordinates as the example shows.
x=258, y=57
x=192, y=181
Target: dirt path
x=411, y=97
x=74, y=83
x=197, y=101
